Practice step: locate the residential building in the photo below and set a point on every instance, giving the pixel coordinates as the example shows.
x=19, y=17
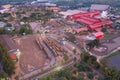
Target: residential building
x=35, y=26
x=2, y=24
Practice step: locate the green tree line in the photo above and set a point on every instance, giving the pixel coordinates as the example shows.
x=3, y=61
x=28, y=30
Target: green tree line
x=5, y=60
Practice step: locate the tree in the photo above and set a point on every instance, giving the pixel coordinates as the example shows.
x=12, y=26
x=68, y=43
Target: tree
x=6, y=61
x=82, y=67
x=110, y=73
x=65, y=57
x=74, y=50
x=2, y=31
x=70, y=37
x=6, y=14
x=25, y=30
x=8, y=25
x=3, y=75
x=100, y=78
x=73, y=78
x=47, y=78
x=85, y=56
x=22, y=30
x=80, y=78
x=96, y=65
x=97, y=42
x=93, y=43
x=25, y=19
x=75, y=59
x=63, y=78
x=91, y=60
x=62, y=73
x=90, y=75
x=104, y=29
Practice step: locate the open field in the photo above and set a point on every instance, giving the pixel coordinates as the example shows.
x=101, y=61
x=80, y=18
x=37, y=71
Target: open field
x=32, y=56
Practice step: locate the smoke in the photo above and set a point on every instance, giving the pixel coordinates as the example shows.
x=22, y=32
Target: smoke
x=104, y=14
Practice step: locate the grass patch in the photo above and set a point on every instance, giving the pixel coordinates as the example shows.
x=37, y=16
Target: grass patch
x=107, y=35
x=65, y=57
x=114, y=54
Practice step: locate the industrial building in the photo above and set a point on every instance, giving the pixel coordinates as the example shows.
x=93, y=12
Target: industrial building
x=79, y=15
x=70, y=12
x=2, y=24
x=92, y=23
x=99, y=7
x=98, y=35
x=43, y=3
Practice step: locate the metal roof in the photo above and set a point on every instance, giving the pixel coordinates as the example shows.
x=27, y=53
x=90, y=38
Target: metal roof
x=99, y=7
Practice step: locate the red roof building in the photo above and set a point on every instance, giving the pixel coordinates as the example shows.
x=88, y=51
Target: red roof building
x=84, y=21
x=75, y=16
x=92, y=19
x=92, y=23
x=100, y=24
x=13, y=56
x=98, y=35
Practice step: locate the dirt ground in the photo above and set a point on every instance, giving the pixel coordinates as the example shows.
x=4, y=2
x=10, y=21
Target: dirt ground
x=32, y=57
